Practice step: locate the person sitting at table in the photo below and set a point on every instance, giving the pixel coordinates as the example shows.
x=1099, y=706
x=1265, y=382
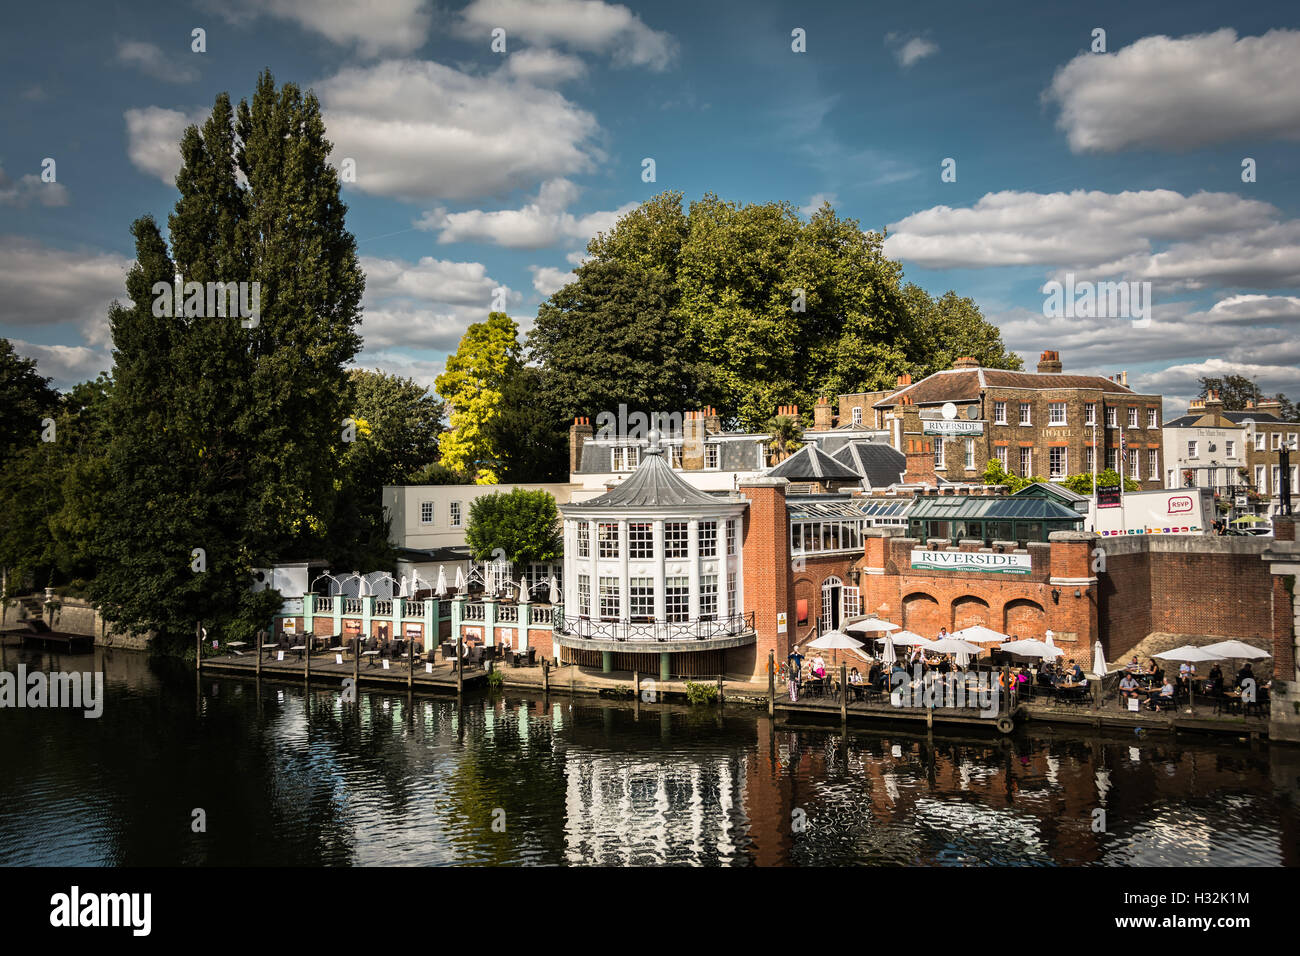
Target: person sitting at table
x=1166, y=694
x=818, y=667
x=1244, y=673
x=855, y=677
x=898, y=675
x=1128, y=687
x=1076, y=672
x=1133, y=665
x=1214, y=682
x=1045, y=674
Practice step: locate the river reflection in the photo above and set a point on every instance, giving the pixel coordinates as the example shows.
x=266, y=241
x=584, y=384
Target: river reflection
x=286, y=775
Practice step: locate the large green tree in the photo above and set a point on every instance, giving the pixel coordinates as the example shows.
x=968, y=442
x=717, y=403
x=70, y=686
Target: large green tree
x=488, y=354
x=25, y=398
x=224, y=428
x=531, y=440
x=1236, y=390
x=524, y=526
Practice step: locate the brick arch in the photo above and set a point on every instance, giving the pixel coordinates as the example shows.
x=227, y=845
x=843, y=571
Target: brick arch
x=1024, y=618
x=921, y=613
x=805, y=588
x=969, y=610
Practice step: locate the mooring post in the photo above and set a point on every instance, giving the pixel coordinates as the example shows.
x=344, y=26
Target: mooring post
x=460, y=667
x=636, y=684
x=198, y=646
x=261, y=639
x=771, y=683
x=719, y=690
x=844, y=693
x=306, y=656
x=356, y=664
x=410, y=664
x=546, y=675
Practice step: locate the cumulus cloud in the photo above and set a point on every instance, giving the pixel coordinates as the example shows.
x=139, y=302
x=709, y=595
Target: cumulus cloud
x=908, y=49
x=424, y=371
x=1167, y=93
x=536, y=225
x=418, y=129
x=426, y=304
x=392, y=27
x=66, y=364
x=585, y=25
x=153, y=139
x=150, y=59
x=547, y=279
x=28, y=189
x=44, y=287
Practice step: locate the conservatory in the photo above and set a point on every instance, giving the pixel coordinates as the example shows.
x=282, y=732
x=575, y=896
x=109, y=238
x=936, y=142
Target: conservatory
x=653, y=576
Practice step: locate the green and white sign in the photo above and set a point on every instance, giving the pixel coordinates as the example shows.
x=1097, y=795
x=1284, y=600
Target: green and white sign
x=987, y=562
x=950, y=429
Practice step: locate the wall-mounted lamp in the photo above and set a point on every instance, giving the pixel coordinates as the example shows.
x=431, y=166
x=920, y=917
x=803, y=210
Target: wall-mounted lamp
x=1078, y=593
x=855, y=575
x=1056, y=595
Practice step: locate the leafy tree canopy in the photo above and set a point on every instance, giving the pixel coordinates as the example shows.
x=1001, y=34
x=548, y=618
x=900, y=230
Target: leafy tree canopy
x=488, y=354
x=524, y=525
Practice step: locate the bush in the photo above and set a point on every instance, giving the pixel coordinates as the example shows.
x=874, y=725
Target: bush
x=701, y=693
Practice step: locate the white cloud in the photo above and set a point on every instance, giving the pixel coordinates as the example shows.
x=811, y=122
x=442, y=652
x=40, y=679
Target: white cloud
x=153, y=139
x=66, y=364
x=586, y=25
x=150, y=59
x=536, y=225
x=1256, y=309
x=1181, y=93
x=44, y=287
x=547, y=279
x=426, y=304
x=418, y=129
x=544, y=66
x=422, y=371
x=391, y=27
x=815, y=202
x=908, y=49
x=1076, y=228
x=28, y=189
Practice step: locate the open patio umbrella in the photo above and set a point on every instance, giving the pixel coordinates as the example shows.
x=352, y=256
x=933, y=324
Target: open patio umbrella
x=1238, y=650
x=872, y=625
x=1031, y=648
x=834, y=641
x=1247, y=519
x=952, y=645
x=905, y=639
x=1193, y=655
x=979, y=634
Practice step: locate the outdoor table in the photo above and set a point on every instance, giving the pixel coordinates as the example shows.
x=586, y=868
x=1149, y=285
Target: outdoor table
x=299, y=648
x=372, y=655
x=269, y=646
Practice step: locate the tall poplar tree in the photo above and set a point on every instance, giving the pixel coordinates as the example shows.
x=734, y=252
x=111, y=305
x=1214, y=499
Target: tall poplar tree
x=224, y=427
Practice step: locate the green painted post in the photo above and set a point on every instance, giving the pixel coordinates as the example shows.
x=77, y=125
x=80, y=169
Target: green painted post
x=606, y=662
x=663, y=666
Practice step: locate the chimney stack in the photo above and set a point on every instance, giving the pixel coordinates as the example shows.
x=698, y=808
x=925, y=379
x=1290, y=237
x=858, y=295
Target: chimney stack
x=904, y=380
x=1269, y=406
x=823, y=415
x=1049, y=363
x=579, y=432
x=1213, y=403
x=966, y=361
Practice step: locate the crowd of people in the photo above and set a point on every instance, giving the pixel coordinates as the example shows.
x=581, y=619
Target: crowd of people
x=1161, y=689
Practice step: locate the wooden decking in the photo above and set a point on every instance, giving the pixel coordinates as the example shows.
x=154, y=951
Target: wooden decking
x=324, y=669
x=52, y=640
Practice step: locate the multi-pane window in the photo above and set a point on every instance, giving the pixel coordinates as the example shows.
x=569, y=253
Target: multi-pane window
x=731, y=537
x=1132, y=417
x=1110, y=416
x=857, y=415
x=607, y=533
x=711, y=455
x=640, y=539
x=675, y=456
x=1295, y=473
x=1090, y=413
x=999, y=413
x=1153, y=465
x=1026, y=417
x=938, y=453
x=708, y=531
x=708, y=597
x=1276, y=472
x=1089, y=458
x=1001, y=452
x=1056, y=462
x=1056, y=413
x=584, y=539
x=732, y=606
x=676, y=539
x=1230, y=448
x=1135, y=463
x=1111, y=455
x=851, y=600
x=1259, y=441
x=610, y=598
x=1193, y=449
x=1026, y=462
x=584, y=594
x=1151, y=418
x=626, y=457
x=677, y=599
x=455, y=514
x=970, y=453
x=1261, y=481
x=1276, y=440
x=809, y=536
x=426, y=512
x=641, y=599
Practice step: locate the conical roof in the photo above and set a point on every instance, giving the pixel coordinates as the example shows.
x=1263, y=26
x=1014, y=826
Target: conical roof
x=810, y=463
x=654, y=484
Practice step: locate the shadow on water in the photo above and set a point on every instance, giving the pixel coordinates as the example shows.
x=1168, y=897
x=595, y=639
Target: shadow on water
x=291, y=775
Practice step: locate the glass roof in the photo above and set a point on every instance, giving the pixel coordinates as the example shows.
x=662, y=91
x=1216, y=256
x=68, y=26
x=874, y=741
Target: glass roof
x=950, y=507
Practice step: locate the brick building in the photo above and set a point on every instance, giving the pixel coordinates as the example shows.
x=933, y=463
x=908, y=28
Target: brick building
x=1265, y=435
x=1044, y=423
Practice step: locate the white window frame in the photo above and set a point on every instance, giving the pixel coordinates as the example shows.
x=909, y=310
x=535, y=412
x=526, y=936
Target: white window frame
x=1193, y=449
x=1026, y=462
x=1152, y=420
x=712, y=455
x=1261, y=479
x=427, y=509
x=999, y=413
x=640, y=544
x=970, y=453
x=1090, y=413
x=1089, y=458
x=1153, y=464
x=1056, y=413
x=1062, y=470
x=707, y=537
x=1003, y=454
x=609, y=545
x=1132, y=416
x=1026, y=413
x=677, y=541
x=1230, y=448
x=584, y=539
x=857, y=414
x=1111, y=416
x=1259, y=441
x=454, y=513
x=938, y=455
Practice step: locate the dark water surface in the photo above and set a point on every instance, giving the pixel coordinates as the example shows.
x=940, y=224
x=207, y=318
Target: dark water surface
x=287, y=776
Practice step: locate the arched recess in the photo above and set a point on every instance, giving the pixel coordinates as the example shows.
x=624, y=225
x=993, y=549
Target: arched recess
x=1024, y=618
x=921, y=614
x=969, y=610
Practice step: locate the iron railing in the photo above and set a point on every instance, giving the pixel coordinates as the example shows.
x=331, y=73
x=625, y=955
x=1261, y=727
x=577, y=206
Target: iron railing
x=651, y=632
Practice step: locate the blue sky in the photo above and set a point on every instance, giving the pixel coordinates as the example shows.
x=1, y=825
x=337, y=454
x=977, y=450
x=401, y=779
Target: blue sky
x=477, y=169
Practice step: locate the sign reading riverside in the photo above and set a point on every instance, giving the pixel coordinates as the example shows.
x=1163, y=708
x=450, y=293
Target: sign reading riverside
x=933, y=427
x=986, y=561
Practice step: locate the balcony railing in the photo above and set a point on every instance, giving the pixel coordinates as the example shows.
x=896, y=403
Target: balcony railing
x=508, y=613
x=541, y=615
x=383, y=609
x=474, y=612
x=414, y=609
x=323, y=605
x=652, y=632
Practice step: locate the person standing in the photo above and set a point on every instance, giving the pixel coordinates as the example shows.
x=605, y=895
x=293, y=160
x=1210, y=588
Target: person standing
x=796, y=668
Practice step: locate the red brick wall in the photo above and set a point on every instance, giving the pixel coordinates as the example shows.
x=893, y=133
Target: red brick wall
x=766, y=575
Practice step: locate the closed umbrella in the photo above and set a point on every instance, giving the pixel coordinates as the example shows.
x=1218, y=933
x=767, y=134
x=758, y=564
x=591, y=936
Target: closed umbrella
x=1098, y=660
x=555, y=590
x=441, y=587
x=523, y=590
x=888, y=656
x=460, y=580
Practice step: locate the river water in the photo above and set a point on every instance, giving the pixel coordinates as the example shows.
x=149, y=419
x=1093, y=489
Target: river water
x=279, y=774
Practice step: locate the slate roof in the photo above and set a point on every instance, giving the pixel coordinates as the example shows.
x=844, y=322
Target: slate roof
x=654, y=484
x=733, y=455
x=1236, y=417
x=964, y=385
x=810, y=463
x=878, y=464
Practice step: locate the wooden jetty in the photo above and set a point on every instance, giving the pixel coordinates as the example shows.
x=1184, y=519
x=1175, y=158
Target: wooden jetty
x=53, y=640
x=325, y=669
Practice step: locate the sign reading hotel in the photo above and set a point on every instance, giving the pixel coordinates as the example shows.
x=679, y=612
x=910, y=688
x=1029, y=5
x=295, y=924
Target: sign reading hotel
x=987, y=562
x=933, y=426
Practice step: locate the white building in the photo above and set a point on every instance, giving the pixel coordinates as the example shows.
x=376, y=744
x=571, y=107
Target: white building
x=1206, y=448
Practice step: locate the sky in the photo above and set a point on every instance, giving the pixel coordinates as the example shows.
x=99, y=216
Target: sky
x=1001, y=149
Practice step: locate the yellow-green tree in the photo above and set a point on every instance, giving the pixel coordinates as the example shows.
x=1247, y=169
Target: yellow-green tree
x=487, y=356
